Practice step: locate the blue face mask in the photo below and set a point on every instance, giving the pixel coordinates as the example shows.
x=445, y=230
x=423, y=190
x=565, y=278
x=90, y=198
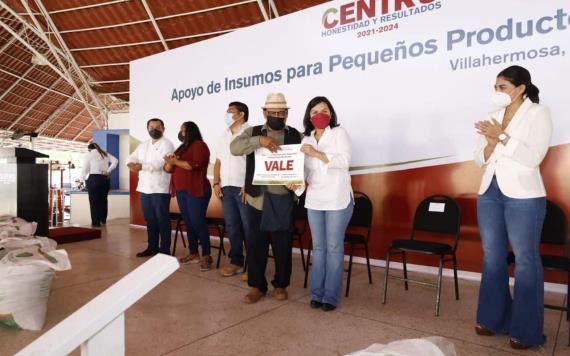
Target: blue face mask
x=229, y=118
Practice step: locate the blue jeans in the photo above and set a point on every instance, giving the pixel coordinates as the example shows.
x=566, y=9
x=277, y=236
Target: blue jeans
x=236, y=222
x=193, y=212
x=328, y=228
x=518, y=221
x=155, y=209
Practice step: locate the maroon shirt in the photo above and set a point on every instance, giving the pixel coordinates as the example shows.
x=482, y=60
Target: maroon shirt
x=193, y=181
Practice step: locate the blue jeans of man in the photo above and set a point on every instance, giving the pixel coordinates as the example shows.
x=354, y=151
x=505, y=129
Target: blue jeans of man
x=328, y=228
x=518, y=221
x=236, y=222
x=155, y=210
x=193, y=210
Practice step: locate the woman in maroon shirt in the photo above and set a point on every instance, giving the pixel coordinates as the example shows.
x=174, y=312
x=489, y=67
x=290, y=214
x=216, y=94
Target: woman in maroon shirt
x=189, y=165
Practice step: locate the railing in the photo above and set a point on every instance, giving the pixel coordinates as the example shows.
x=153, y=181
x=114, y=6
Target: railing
x=99, y=326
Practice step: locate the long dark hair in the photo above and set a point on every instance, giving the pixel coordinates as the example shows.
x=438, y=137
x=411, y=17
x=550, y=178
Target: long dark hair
x=192, y=134
x=307, y=124
x=518, y=75
x=94, y=146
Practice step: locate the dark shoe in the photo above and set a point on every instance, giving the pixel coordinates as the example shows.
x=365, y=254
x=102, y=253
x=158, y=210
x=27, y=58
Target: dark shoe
x=328, y=307
x=316, y=304
x=103, y=223
x=95, y=225
x=483, y=331
x=517, y=345
x=147, y=253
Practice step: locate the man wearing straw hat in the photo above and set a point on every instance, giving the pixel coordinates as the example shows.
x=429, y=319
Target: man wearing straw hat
x=269, y=208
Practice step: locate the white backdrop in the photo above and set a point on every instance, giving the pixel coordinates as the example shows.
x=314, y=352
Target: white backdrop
x=397, y=110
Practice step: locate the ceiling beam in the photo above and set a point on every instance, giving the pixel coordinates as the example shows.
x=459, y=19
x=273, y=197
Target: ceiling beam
x=154, y=24
x=274, y=8
x=110, y=81
x=262, y=9
x=104, y=65
x=117, y=93
x=30, y=107
x=74, y=65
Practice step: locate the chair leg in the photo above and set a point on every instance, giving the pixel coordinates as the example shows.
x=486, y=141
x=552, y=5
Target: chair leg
x=438, y=292
x=221, y=248
x=176, y=237
x=405, y=270
x=181, y=234
x=386, y=271
x=455, y=277
x=302, y=253
x=349, y=270
x=368, y=262
x=307, y=264
x=568, y=302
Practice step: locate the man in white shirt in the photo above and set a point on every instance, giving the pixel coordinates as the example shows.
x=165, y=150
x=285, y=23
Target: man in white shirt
x=154, y=186
x=229, y=178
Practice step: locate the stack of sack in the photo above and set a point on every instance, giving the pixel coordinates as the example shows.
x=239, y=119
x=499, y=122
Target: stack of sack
x=27, y=266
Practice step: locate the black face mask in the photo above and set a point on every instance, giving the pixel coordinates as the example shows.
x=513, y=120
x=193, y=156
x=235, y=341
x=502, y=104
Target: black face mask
x=155, y=134
x=181, y=136
x=276, y=123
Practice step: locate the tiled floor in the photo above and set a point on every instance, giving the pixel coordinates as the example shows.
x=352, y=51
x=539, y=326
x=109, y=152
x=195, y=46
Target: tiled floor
x=201, y=313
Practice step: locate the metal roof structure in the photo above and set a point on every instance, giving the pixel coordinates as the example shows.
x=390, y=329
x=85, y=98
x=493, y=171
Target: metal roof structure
x=64, y=64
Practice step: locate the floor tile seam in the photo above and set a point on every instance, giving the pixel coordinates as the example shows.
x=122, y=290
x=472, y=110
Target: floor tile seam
x=263, y=313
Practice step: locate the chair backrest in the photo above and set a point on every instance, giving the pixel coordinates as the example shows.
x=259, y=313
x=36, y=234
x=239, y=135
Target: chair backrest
x=362, y=213
x=438, y=214
x=555, y=227
x=299, y=210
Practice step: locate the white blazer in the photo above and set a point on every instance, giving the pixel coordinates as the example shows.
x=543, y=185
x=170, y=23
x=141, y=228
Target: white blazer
x=516, y=164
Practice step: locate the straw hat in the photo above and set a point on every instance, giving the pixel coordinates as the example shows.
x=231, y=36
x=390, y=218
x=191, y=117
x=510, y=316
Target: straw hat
x=275, y=101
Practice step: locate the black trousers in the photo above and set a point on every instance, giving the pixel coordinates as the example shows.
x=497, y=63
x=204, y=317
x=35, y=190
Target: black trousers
x=257, y=242
x=98, y=189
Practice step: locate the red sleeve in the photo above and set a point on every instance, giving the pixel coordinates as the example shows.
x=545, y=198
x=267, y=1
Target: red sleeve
x=199, y=155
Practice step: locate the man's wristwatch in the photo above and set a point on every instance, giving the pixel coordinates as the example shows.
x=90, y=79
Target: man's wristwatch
x=502, y=137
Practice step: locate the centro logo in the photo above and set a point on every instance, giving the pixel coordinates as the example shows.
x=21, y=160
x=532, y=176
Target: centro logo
x=358, y=10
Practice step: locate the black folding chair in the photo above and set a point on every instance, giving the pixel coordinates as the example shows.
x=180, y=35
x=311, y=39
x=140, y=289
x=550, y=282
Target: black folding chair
x=439, y=215
x=219, y=225
x=300, y=214
x=554, y=232
x=177, y=219
x=361, y=218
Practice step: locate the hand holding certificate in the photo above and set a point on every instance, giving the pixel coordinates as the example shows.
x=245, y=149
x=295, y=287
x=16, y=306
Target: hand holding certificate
x=286, y=166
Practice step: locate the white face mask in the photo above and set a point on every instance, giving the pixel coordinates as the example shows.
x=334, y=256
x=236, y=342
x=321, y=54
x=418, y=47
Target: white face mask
x=501, y=99
x=229, y=118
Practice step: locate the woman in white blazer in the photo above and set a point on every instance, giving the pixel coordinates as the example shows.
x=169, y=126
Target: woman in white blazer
x=329, y=199
x=511, y=209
